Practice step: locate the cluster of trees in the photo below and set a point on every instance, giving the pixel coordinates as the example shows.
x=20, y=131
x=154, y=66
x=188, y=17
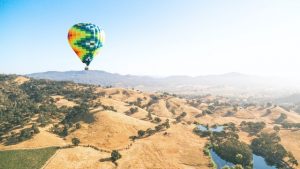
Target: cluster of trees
x=194, y=103
x=206, y=151
x=105, y=107
x=16, y=109
x=111, y=108
x=137, y=103
x=287, y=125
x=165, y=94
x=125, y=92
x=38, y=90
x=268, y=145
x=180, y=117
x=234, y=151
x=149, y=131
x=156, y=120
x=23, y=135
x=153, y=99
x=207, y=111
x=252, y=127
x=131, y=111
x=198, y=115
x=211, y=107
x=281, y=118
x=246, y=105
x=19, y=103
x=75, y=113
x=63, y=130
x=149, y=115
x=227, y=145
x=201, y=133
x=69, y=122
x=229, y=113
x=230, y=127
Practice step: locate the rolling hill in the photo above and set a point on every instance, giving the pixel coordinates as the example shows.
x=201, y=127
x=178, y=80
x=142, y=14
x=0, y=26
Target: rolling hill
x=150, y=130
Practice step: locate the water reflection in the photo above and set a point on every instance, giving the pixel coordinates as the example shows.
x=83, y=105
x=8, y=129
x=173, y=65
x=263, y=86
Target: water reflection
x=214, y=129
x=258, y=162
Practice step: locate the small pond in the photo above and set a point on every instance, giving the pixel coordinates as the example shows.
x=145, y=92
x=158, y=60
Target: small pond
x=214, y=129
x=258, y=162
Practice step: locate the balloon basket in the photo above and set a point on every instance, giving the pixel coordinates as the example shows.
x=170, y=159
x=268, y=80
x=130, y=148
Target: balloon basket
x=86, y=68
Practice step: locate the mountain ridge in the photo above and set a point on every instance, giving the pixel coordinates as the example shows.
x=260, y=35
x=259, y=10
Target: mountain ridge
x=228, y=84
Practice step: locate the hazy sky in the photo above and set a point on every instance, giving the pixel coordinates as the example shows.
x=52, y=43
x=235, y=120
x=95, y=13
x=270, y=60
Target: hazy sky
x=155, y=37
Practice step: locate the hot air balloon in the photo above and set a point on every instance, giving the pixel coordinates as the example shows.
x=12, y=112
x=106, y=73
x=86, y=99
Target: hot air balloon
x=86, y=40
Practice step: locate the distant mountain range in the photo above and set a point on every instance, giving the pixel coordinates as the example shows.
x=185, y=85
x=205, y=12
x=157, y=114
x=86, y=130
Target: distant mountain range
x=230, y=84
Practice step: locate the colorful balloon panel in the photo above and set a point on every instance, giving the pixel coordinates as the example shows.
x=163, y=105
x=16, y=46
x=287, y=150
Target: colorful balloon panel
x=86, y=39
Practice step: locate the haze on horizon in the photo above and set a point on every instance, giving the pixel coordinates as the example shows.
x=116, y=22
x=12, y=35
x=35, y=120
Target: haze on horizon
x=157, y=38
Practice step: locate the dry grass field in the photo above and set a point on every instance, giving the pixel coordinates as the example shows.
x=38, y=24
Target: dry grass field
x=175, y=147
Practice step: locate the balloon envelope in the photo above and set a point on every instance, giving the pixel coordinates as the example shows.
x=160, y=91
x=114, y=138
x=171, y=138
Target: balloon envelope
x=86, y=40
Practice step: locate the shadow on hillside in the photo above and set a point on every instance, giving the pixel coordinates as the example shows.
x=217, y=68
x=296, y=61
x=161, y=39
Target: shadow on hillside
x=105, y=159
x=108, y=159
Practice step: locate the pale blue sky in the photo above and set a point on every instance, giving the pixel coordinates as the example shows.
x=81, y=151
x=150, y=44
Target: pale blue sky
x=155, y=37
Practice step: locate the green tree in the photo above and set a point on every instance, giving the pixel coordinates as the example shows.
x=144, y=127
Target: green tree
x=149, y=115
x=149, y=131
x=276, y=128
x=25, y=134
x=239, y=158
x=141, y=133
x=238, y=166
x=231, y=149
x=158, y=128
x=167, y=124
x=292, y=160
x=77, y=125
x=281, y=118
x=157, y=120
x=65, y=131
x=133, y=138
x=75, y=141
x=268, y=146
x=35, y=128
x=42, y=120
x=115, y=155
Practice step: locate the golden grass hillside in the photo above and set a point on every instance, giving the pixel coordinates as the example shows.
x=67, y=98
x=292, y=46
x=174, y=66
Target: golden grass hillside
x=174, y=147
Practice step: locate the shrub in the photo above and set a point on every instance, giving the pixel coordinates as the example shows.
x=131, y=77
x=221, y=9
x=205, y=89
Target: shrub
x=141, y=133
x=276, y=128
x=281, y=118
x=157, y=120
x=75, y=141
x=252, y=127
x=115, y=155
x=35, y=128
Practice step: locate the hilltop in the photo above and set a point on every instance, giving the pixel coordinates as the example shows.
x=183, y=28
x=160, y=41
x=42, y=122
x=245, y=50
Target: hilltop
x=229, y=84
x=45, y=113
